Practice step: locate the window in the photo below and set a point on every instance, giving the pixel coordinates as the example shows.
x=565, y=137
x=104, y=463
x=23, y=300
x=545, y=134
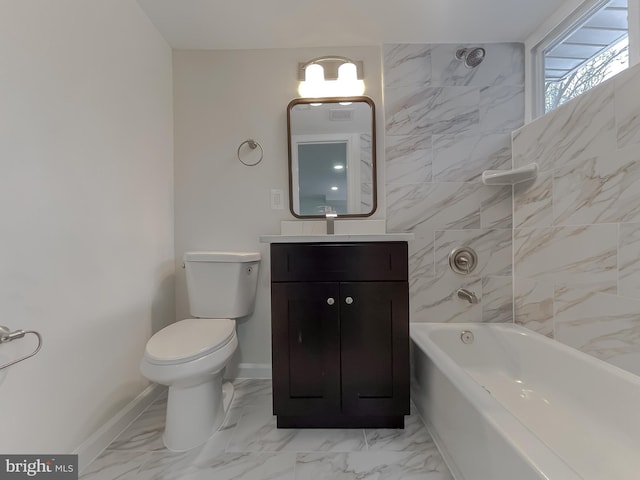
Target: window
x=589, y=47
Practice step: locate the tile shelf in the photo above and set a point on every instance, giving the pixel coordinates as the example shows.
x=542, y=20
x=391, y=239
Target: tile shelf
x=510, y=177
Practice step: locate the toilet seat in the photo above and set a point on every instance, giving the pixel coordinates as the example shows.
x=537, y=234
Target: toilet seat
x=189, y=339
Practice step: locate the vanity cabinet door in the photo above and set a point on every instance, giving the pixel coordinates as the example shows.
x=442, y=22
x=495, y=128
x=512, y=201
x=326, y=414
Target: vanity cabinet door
x=375, y=351
x=306, y=348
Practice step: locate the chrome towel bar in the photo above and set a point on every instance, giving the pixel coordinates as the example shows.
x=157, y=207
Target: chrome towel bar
x=6, y=336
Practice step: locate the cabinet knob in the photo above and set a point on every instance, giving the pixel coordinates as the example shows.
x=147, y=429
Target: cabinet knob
x=330, y=301
x=348, y=300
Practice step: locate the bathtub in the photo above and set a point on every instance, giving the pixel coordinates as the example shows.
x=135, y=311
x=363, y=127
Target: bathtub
x=515, y=405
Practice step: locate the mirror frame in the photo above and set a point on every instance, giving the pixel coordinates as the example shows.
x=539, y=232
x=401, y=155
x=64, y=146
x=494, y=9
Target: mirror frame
x=306, y=101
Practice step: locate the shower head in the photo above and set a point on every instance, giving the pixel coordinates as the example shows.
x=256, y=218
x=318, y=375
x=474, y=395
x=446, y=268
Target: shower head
x=472, y=57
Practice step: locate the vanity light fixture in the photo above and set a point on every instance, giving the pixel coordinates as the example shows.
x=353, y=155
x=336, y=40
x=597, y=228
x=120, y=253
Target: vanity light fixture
x=331, y=77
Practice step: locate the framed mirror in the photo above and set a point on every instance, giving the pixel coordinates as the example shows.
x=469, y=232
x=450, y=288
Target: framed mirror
x=332, y=157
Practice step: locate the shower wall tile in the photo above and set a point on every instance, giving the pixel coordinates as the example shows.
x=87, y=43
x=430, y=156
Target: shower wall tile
x=533, y=202
x=629, y=260
x=503, y=65
x=497, y=299
x=445, y=125
x=533, y=305
x=496, y=207
x=493, y=248
x=601, y=189
x=583, y=257
x=421, y=259
x=577, y=264
x=435, y=299
x=463, y=157
x=432, y=110
x=582, y=126
x=409, y=158
x=627, y=107
x=605, y=326
x=414, y=208
x=406, y=65
x=501, y=108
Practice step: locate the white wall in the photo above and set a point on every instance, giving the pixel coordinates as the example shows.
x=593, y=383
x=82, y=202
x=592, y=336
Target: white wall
x=86, y=209
x=222, y=98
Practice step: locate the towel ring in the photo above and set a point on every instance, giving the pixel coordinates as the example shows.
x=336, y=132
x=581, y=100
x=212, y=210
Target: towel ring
x=6, y=335
x=252, y=145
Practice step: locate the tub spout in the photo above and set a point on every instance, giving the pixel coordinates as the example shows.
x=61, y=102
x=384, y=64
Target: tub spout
x=468, y=295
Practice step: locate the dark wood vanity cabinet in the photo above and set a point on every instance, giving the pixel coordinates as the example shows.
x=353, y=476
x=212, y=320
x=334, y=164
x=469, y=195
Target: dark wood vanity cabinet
x=340, y=334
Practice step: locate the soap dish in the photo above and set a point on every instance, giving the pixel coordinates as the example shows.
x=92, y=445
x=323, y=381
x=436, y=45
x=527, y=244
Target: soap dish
x=510, y=177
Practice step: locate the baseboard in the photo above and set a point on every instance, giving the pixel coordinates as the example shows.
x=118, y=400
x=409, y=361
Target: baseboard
x=93, y=446
x=254, y=370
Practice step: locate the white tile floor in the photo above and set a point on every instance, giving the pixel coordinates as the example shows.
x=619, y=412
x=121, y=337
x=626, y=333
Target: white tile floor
x=250, y=447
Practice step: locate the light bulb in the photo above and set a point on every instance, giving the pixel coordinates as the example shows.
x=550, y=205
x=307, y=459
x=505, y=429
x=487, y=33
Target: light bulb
x=347, y=72
x=315, y=86
x=314, y=73
x=311, y=86
x=349, y=85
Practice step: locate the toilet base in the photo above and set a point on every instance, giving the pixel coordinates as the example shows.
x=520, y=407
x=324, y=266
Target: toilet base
x=196, y=412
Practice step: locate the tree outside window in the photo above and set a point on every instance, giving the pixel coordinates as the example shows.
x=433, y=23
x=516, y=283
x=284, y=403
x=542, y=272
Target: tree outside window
x=586, y=76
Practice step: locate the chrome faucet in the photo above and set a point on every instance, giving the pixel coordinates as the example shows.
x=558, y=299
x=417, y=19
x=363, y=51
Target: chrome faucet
x=468, y=295
x=330, y=222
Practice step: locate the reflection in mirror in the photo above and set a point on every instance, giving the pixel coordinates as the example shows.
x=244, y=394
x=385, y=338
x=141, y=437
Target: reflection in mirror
x=332, y=157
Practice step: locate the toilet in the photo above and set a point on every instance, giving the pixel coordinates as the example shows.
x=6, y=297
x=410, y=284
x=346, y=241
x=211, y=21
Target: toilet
x=190, y=356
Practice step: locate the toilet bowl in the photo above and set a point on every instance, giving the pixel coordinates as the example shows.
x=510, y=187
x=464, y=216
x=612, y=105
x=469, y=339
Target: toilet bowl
x=190, y=356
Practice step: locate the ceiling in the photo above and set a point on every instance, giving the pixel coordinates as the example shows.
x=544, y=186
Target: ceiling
x=250, y=24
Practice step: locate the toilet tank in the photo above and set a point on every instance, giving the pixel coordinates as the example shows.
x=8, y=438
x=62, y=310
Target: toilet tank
x=221, y=284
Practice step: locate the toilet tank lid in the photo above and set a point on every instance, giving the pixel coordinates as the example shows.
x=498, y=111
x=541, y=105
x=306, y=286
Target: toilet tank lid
x=221, y=257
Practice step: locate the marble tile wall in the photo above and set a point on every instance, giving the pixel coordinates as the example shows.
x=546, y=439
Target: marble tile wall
x=445, y=124
x=577, y=227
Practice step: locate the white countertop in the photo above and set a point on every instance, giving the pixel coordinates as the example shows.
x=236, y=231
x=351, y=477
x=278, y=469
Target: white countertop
x=378, y=237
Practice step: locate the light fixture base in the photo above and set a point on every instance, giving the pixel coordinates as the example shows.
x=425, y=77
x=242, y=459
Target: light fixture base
x=331, y=65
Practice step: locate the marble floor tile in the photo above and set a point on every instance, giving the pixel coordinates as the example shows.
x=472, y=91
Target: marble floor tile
x=250, y=447
x=249, y=392
x=251, y=466
x=226, y=466
x=145, y=433
x=167, y=465
x=414, y=437
x=371, y=466
x=115, y=465
x=257, y=432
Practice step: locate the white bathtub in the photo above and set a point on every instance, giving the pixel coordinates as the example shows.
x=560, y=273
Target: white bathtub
x=515, y=405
